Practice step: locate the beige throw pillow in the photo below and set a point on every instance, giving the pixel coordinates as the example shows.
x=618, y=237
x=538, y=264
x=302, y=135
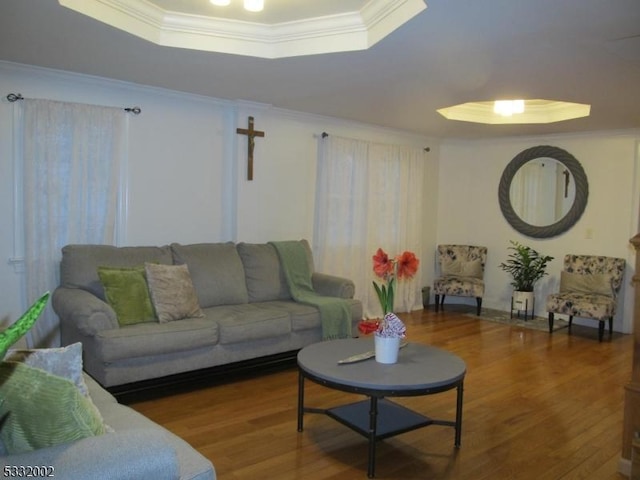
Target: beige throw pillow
x=462, y=268
x=172, y=292
x=594, y=283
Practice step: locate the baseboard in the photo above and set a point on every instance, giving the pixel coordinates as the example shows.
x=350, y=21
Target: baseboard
x=624, y=467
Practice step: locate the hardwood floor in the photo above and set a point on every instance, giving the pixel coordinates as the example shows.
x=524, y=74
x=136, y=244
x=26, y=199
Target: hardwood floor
x=536, y=406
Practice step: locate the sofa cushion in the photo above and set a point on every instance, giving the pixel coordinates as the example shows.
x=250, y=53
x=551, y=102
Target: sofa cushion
x=303, y=317
x=79, y=264
x=172, y=292
x=216, y=271
x=148, y=339
x=127, y=293
x=264, y=276
x=249, y=322
x=45, y=409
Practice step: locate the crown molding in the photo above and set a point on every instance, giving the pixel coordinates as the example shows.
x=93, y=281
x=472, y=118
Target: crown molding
x=345, y=31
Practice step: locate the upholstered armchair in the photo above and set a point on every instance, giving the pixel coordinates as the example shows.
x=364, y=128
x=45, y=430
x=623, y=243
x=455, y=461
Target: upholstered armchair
x=461, y=273
x=589, y=288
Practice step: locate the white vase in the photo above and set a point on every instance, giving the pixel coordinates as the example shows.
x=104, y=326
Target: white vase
x=387, y=349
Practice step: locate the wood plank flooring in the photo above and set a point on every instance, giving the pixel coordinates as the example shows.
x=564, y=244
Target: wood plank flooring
x=536, y=406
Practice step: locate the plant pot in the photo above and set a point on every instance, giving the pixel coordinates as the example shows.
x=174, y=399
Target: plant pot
x=387, y=349
x=522, y=300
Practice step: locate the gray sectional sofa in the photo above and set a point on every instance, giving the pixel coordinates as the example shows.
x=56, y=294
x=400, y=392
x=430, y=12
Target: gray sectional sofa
x=136, y=448
x=248, y=312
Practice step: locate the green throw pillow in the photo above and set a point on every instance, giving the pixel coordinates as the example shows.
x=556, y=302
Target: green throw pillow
x=126, y=291
x=44, y=409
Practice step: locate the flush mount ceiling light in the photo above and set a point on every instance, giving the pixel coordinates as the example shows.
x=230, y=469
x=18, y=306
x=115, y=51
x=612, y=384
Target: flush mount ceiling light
x=293, y=28
x=516, y=111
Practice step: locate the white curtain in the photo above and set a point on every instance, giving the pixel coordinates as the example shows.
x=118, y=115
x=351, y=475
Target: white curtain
x=70, y=167
x=368, y=196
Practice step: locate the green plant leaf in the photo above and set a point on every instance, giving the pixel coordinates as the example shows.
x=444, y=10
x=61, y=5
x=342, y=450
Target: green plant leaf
x=21, y=326
x=525, y=265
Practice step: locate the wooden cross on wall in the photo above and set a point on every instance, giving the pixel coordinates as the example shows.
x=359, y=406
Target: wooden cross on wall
x=251, y=134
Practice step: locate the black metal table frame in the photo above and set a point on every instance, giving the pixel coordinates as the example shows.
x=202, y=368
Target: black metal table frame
x=413, y=420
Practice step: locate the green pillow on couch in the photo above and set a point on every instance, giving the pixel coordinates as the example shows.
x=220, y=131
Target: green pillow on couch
x=44, y=409
x=127, y=292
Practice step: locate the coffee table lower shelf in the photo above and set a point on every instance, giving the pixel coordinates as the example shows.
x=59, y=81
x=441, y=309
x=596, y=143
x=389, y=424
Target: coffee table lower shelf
x=377, y=419
x=391, y=419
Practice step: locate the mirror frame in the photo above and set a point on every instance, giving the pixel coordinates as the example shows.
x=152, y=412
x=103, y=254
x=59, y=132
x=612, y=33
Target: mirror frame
x=579, y=202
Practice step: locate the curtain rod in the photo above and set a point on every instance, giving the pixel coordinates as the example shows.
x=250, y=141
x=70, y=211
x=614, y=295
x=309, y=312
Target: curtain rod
x=325, y=135
x=14, y=97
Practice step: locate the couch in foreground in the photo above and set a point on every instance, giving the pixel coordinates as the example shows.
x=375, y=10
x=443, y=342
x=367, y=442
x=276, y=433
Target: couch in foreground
x=243, y=308
x=134, y=447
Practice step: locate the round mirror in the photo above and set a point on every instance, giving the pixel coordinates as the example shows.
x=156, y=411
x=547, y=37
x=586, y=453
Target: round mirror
x=543, y=191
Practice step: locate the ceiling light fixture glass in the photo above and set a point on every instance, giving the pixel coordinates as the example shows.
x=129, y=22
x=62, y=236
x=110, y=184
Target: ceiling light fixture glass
x=220, y=3
x=506, y=108
x=254, y=5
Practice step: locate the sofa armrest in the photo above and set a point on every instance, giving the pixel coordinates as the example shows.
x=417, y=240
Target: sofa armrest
x=128, y=455
x=332, y=286
x=83, y=310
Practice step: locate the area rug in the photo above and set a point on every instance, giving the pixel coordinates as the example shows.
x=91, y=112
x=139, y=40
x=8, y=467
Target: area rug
x=535, y=323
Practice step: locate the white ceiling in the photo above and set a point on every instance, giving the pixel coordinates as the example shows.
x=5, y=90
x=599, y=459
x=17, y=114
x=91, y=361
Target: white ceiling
x=455, y=51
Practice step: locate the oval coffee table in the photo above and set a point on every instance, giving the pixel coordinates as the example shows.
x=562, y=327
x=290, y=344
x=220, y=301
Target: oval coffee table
x=420, y=370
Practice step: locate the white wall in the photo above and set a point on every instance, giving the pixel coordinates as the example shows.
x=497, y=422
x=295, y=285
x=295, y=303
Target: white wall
x=186, y=167
x=469, y=212
x=186, y=180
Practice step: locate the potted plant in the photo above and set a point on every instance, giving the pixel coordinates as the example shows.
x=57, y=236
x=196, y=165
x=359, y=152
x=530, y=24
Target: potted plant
x=390, y=330
x=526, y=266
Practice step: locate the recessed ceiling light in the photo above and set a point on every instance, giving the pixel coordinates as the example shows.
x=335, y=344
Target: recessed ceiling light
x=516, y=111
